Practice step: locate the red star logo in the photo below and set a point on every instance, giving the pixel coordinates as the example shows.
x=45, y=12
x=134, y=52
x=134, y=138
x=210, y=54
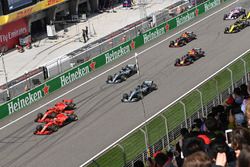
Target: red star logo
x=46, y=89
x=92, y=65
x=132, y=44
x=167, y=27
x=196, y=12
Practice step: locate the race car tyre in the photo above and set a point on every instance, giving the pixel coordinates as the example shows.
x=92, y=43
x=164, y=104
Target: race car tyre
x=154, y=86
x=53, y=128
x=171, y=44
x=110, y=78
x=125, y=96
x=177, y=61
x=39, y=116
x=243, y=12
x=183, y=43
x=226, y=30
x=123, y=78
x=225, y=17
x=247, y=23
x=73, y=117
x=39, y=127
x=71, y=106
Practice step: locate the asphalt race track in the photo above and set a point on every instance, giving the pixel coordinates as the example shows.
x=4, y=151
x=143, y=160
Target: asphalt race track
x=103, y=119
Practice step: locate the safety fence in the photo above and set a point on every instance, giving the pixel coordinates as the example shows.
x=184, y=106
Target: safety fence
x=77, y=72
x=161, y=130
x=83, y=54
x=127, y=33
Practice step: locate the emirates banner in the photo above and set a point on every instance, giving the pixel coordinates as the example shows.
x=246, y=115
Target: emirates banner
x=10, y=33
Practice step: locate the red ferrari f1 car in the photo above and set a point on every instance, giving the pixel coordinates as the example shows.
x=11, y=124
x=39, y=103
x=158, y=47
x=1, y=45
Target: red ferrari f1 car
x=66, y=106
x=46, y=129
x=61, y=114
x=53, y=124
x=183, y=40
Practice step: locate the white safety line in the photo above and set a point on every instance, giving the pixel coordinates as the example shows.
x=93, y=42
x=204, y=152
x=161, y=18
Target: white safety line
x=25, y=115
x=159, y=112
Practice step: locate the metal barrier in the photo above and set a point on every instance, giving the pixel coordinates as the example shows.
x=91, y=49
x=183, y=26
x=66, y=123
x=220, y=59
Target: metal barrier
x=162, y=129
x=129, y=32
x=60, y=65
x=24, y=83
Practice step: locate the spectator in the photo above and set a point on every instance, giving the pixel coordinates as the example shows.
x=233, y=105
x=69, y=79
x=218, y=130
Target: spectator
x=101, y=5
x=221, y=160
x=240, y=137
x=162, y=160
x=139, y=32
x=178, y=10
x=234, y=104
x=244, y=92
x=231, y=120
x=212, y=128
x=247, y=113
x=87, y=32
x=150, y=162
x=221, y=116
x=26, y=88
x=184, y=134
x=219, y=146
x=237, y=96
x=127, y=4
x=84, y=35
x=196, y=127
x=192, y=145
x=244, y=157
x=248, y=88
x=138, y=163
x=198, y=159
x=124, y=38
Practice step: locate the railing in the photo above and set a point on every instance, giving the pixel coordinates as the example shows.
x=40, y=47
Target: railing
x=85, y=53
x=81, y=55
x=164, y=127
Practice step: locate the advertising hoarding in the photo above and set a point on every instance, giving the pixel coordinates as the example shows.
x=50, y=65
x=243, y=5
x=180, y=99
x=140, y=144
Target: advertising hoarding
x=10, y=33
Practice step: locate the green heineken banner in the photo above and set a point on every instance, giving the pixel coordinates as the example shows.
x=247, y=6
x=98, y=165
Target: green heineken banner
x=80, y=71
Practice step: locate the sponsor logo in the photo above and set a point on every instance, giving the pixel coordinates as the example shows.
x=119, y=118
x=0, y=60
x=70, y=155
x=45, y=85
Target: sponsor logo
x=53, y=2
x=132, y=44
x=13, y=34
x=24, y=13
x=184, y=18
x=210, y=5
x=167, y=27
x=70, y=77
x=113, y=55
x=153, y=34
x=20, y=103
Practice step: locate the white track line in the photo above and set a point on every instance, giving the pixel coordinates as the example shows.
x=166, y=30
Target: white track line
x=159, y=112
x=25, y=115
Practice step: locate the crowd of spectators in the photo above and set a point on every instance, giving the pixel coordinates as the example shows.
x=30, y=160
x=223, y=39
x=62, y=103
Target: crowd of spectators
x=207, y=143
